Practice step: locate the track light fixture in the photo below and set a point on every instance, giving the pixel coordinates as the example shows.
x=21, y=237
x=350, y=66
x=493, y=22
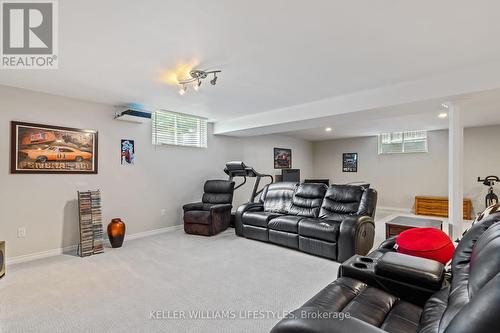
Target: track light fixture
x=197, y=76
x=214, y=80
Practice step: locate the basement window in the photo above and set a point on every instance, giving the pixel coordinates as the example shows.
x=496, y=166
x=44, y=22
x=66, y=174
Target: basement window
x=171, y=128
x=403, y=142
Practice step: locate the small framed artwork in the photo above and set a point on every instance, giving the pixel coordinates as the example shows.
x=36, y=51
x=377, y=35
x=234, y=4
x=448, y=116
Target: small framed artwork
x=282, y=158
x=350, y=162
x=128, y=152
x=37, y=148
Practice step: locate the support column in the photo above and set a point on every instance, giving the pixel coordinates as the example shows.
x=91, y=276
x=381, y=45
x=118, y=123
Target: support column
x=455, y=170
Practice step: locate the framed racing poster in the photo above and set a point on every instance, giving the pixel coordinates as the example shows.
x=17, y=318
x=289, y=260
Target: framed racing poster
x=282, y=158
x=37, y=148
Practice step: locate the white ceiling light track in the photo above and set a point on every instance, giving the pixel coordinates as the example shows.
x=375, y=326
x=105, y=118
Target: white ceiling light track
x=197, y=77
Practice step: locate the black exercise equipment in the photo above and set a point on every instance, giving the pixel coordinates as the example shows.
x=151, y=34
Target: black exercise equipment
x=290, y=175
x=239, y=169
x=491, y=197
x=317, y=181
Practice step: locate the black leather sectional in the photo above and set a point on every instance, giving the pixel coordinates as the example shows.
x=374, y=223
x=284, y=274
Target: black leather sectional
x=335, y=222
x=396, y=293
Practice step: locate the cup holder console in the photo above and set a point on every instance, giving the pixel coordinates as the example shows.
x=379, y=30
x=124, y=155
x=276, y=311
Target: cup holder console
x=366, y=259
x=359, y=267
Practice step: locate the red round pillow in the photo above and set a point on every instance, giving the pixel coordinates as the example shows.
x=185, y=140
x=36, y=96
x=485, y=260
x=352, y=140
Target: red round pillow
x=430, y=243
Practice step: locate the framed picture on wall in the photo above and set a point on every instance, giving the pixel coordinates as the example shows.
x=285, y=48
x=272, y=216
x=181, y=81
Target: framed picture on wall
x=350, y=162
x=37, y=148
x=282, y=158
x=128, y=152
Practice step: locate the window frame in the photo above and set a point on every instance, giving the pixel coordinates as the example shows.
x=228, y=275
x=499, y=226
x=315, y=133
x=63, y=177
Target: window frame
x=403, y=141
x=201, y=130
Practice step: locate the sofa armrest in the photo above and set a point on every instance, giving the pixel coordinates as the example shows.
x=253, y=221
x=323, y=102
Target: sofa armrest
x=220, y=208
x=238, y=222
x=316, y=320
x=194, y=206
x=388, y=244
x=355, y=237
x=411, y=270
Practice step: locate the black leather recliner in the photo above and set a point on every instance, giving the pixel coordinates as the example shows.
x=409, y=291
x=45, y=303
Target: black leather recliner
x=396, y=293
x=213, y=214
x=335, y=222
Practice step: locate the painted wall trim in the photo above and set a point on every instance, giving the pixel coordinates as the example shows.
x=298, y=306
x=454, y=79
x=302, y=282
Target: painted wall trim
x=73, y=248
x=396, y=209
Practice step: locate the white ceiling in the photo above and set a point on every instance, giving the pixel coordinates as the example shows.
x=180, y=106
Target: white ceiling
x=479, y=109
x=274, y=54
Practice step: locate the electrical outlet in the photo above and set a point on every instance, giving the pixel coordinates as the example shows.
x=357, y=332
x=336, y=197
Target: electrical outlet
x=21, y=232
x=163, y=212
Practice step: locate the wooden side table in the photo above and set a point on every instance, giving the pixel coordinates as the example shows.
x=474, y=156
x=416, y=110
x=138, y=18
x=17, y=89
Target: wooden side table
x=438, y=206
x=401, y=223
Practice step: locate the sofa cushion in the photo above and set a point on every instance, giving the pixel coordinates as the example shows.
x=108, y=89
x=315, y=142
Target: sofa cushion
x=286, y=223
x=307, y=200
x=258, y=219
x=369, y=304
x=320, y=229
x=277, y=197
x=341, y=201
x=198, y=217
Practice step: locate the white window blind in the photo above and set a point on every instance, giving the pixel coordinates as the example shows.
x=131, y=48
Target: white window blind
x=402, y=142
x=171, y=128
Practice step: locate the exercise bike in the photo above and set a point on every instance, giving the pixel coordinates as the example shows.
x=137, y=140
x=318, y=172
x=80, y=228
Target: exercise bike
x=491, y=197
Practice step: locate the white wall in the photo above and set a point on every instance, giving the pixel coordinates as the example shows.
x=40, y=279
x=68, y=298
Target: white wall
x=163, y=178
x=481, y=159
x=258, y=152
x=400, y=177
x=167, y=177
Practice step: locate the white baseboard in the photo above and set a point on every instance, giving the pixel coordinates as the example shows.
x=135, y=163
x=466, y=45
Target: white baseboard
x=396, y=209
x=40, y=255
x=73, y=248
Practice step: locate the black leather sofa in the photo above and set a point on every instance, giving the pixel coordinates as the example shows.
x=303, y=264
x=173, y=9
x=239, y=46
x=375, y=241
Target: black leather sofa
x=335, y=222
x=396, y=293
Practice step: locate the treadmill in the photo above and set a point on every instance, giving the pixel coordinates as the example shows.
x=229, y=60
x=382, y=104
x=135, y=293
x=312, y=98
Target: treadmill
x=238, y=169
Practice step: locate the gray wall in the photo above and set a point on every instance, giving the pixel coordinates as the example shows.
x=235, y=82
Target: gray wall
x=400, y=177
x=163, y=177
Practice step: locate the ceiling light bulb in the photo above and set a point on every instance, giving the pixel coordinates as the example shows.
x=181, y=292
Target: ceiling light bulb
x=328, y=129
x=197, y=85
x=182, y=90
x=443, y=115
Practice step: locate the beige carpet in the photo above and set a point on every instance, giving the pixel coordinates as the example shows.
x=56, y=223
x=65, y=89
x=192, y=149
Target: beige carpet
x=117, y=291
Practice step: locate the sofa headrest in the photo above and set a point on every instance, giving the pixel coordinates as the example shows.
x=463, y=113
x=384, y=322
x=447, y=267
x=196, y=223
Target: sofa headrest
x=218, y=192
x=345, y=193
x=282, y=186
x=311, y=190
x=476, y=278
x=485, y=259
x=218, y=186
